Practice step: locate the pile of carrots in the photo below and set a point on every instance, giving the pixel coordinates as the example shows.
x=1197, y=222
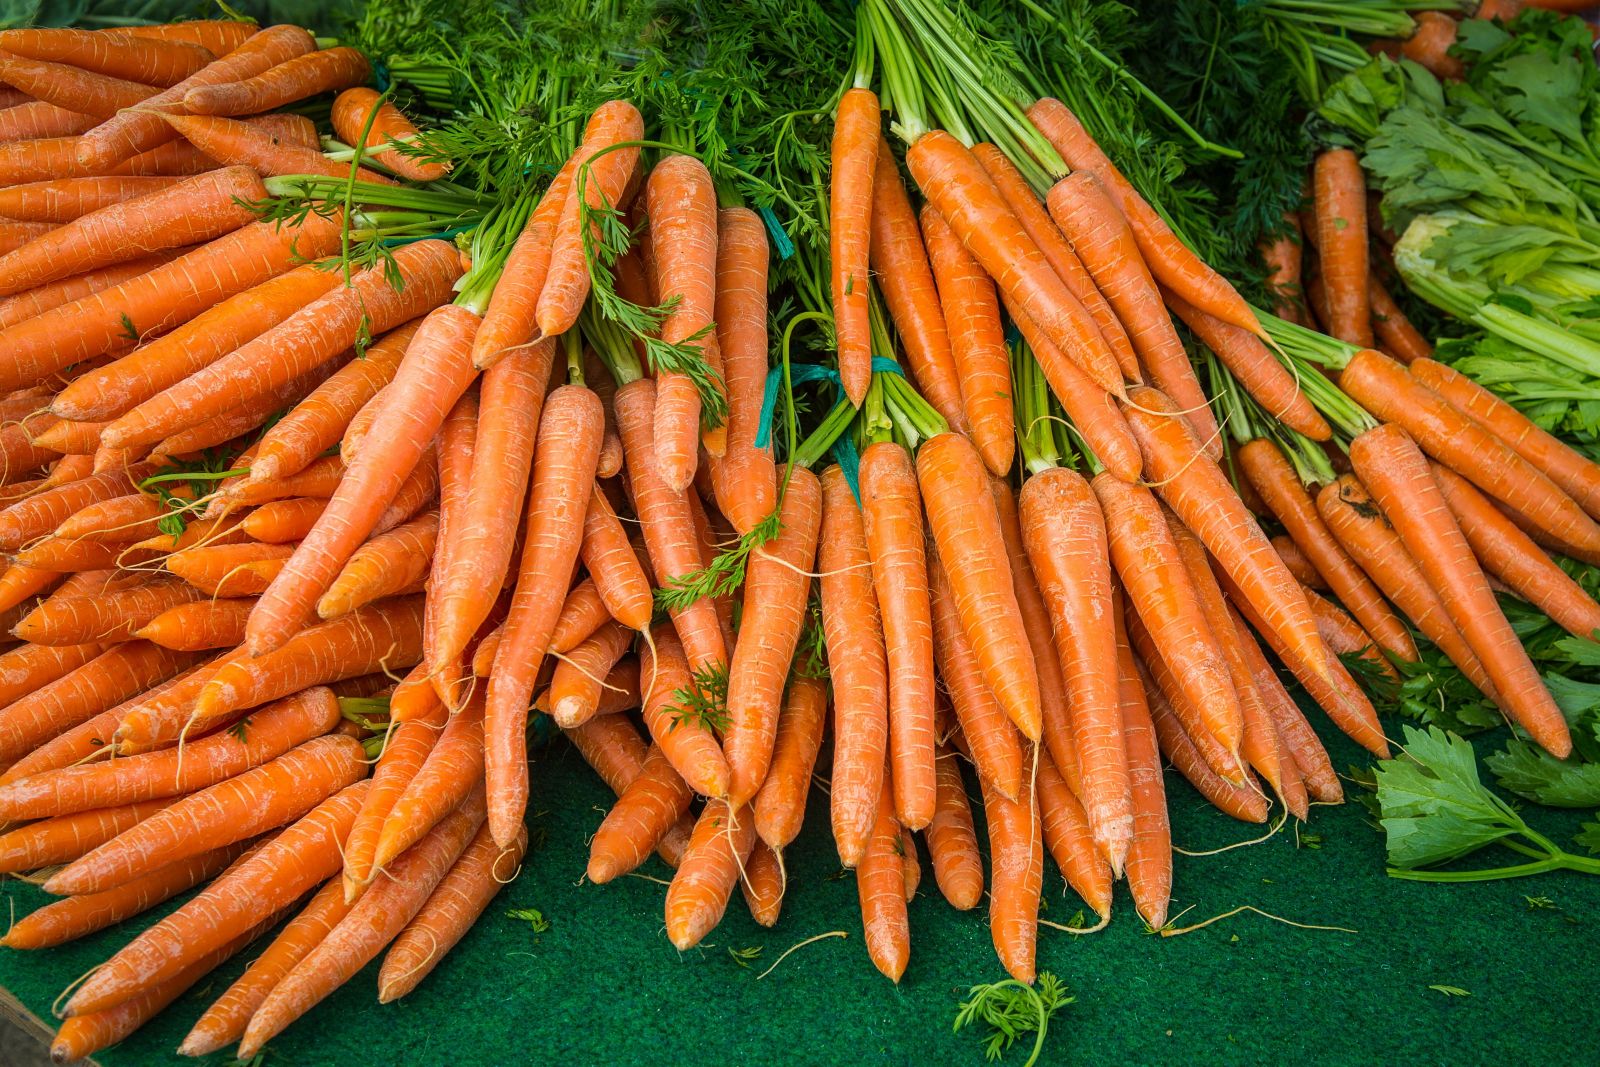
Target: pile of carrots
x=302, y=676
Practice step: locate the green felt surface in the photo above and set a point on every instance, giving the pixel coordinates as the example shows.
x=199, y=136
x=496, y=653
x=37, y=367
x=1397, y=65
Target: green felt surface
x=604, y=985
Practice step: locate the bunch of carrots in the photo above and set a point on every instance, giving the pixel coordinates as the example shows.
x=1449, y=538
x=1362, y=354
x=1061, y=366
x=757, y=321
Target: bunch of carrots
x=299, y=546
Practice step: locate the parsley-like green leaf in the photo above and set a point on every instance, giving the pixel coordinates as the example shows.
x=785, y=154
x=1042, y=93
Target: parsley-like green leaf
x=1012, y=1010
x=533, y=917
x=1529, y=771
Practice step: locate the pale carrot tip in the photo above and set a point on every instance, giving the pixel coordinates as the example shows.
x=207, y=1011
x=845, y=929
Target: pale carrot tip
x=196, y=1045
x=601, y=870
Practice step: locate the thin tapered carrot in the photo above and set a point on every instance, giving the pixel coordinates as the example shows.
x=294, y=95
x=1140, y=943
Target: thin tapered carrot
x=891, y=511
x=1149, y=865
x=91, y=739
x=995, y=747
x=598, y=183
x=685, y=738
x=1395, y=334
x=413, y=696
x=73, y=88
x=217, y=36
x=1344, y=636
x=78, y=916
x=610, y=560
x=1194, y=487
x=161, y=298
x=299, y=858
x=350, y=115
x=1510, y=555
x=763, y=884
x=646, y=809
x=225, y=570
x=61, y=554
x=1106, y=244
x=280, y=522
x=1169, y=259
x=563, y=480
x=238, y=144
x=19, y=584
x=1283, y=257
x=433, y=375
x=321, y=479
x=391, y=562
x=194, y=211
x=482, y=870
x=667, y=523
x=1225, y=763
x=612, y=746
x=102, y=682
x=109, y=391
x=1577, y=475
x=1244, y=802
x=966, y=531
x=1016, y=858
x=955, y=183
x=224, y=1021
x=777, y=589
x=858, y=667
x=744, y=478
x=382, y=636
x=1160, y=593
x=578, y=684
x=704, y=882
x=375, y=920
x=1065, y=534
x=854, y=157
x=36, y=119
x=900, y=265
x=161, y=715
x=780, y=806
x=119, y=519
x=452, y=770
x=511, y=325
x=1386, y=389
x=420, y=489
x=952, y=840
x=880, y=885
x=582, y=613
x=1066, y=833
x=41, y=513
x=57, y=157
x=1275, y=480
x=71, y=438
x=910, y=864
x=264, y=736
x=38, y=300
x=403, y=755
x=1295, y=734
x=155, y=62
x=66, y=837
x=456, y=451
x=113, y=617
x=249, y=415
x=1340, y=202
x=682, y=203
x=324, y=71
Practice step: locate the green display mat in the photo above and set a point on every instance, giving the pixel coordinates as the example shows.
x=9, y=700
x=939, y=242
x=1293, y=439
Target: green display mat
x=603, y=984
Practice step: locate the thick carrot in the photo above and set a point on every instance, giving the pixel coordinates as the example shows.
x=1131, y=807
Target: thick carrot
x=152, y=61
x=375, y=920
x=324, y=71
x=612, y=565
x=482, y=870
x=578, y=684
x=224, y=1021
x=161, y=298
x=320, y=480
x=880, y=885
x=56, y=157
x=1344, y=636
x=113, y=617
x=780, y=806
x=854, y=158
x=118, y=519
x=225, y=570
x=1340, y=201
x=387, y=564
x=103, y=682
x=264, y=736
x=404, y=753
x=295, y=861
x=510, y=325
x=763, y=884
x=699, y=893
x=38, y=300
x=36, y=119
x=1577, y=475
x=239, y=144
x=280, y=522
x=1066, y=833
x=1395, y=334
x=1197, y=489
x=1016, y=857
x=1275, y=480
x=745, y=479
x=952, y=840
x=78, y=916
x=1295, y=734
x=955, y=183
x=684, y=737
x=1149, y=865
x=598, y=183
x=350, y=115
x=1430, y=44
x=91, y=739
x=1283, y=257
x=73, y=88
x=60, y=554
x=583, y=613
x=646, y=809
x=667, y=523
x=249, y=415
x=66, y=837
x=65, y=199
x=41, y=513
x=453, y=769
x=966, y=531
x=1067, y=545
x=777, y=589
x=217, y=36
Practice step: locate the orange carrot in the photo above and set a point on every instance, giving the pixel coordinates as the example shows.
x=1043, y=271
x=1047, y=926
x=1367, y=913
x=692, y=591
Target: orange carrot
x=952, y=840
x=763, y=883
x=41, y=513
x=1396, y=335
x=37, y=119
x=453, y=769
x=780, y=806
x=384, y=136
x=1299, y=740
x=744, y=479
x=217, y=36
x=238, y=144
x=854, y=157
x=699, y=893
x=56, y=157
x=38, y=300
x=153, y=61
x=1066, y=833
x=113, y=617
x=1016, y=857
x=226, y=570
x=647, y=808
x=403, y=755
x=386, y=565
x=1340, y=201
x=66, y=837
x=618, y=578
x=293, y=80
x=1244, y=802
x=83, y=693
x=510, y=325
x=1283, y=256
x=73, y=88
x=65, y=199
x=684, y=737
x=1149, y=865
x=578, y=684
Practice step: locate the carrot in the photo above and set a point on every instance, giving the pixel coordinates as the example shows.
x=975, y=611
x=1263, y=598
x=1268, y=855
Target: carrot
x=598, y=183
x=578, y=684
x=780, y=805
x=744, y=479
x=1016, y=856
x=382, y=636
x=1344, y=636
x=854, y=158
x=1299, y=566
x=351, y=111
x=279, y=522
x=777, y=589
x=880, y=885
x=161, y=298
x=110, y=618
x=955, y=183
x=387, y=564
x=1066, y=833
x=699, y=893
x=682, y=204
x=1386, y=389
x=36, y=119
x=1295, y=735
x=41, y=513
x=66, y=837
x=453, y=769
x=320, y=480
x=254, y=412
x=375, y=920
x=607, y=555
x=155, y=62
x=131, y=132
x=1274, y=479
x=1244, y=802
x=667, y=523
x=84, y=692
x=952, y=840
x=1429, y=45
x=403, y=756
x=224, y=1021
x=307, y=75
x=60, y=554
x=1575, y=474
x=482, y=870
x=264, y=736
x=56, y=157
x=582, y=614
x=71, y=438
x=1197, y=490
x=270, y=879
x=73, y=88
x=1065, y=533
x=510, y=325
x=647, y=807
x=238, y=144
x=42, y=298
x=431, y=378
x=1149, y=865
x=685, y=738
x=133, y=515
x=217, y=36
x=456, y=452
x=225, y=570
x=763, y=883
x=1106, y=244
x=1283, y=257
x=1395, y=334
x=78, y=916
x=1340, y=200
